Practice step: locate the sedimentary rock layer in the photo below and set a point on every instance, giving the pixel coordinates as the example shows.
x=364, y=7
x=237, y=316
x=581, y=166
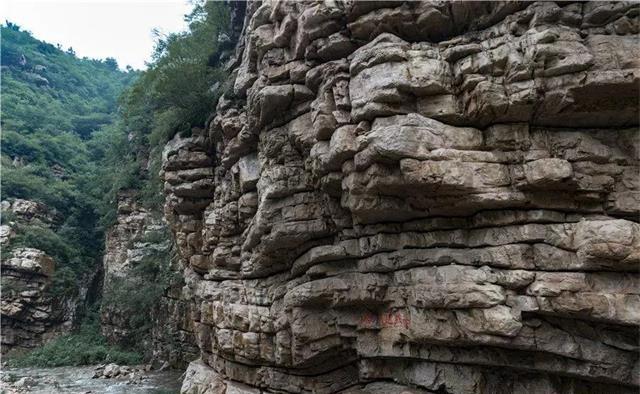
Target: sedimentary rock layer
x=417, y=197
x=137, y=237
x=30, y=313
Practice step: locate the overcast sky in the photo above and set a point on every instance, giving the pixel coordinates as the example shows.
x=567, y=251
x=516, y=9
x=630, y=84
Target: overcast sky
x=99, y=28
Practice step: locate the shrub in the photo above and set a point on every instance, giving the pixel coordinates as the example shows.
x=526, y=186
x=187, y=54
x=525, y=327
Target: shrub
x=7, y=216
x=63, y=283
x=140, y=292
x=44, y=239
x=84, y=347
x=134, y=298
x=156, y=236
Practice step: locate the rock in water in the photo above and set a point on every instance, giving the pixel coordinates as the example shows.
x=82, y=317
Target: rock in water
x=24, y=383
x=416, y=197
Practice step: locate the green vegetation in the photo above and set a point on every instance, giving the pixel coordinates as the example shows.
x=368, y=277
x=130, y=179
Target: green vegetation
x=138, y=294
x=76, y=134
x=7, y=217
x=52, y=104
x=174, y=95
x=84, y=347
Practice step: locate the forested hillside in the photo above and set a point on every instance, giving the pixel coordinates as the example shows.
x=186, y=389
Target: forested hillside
x=176, y=93
x=80, y=137
x=53, y=103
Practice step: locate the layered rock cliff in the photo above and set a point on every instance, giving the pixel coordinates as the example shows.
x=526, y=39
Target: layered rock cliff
x=134, y=312
x=30, y=313
x=416, y=197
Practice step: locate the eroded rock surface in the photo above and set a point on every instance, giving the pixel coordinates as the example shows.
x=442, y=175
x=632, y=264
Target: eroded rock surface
x=30, y=313
x=137, y=238
x=417, y=197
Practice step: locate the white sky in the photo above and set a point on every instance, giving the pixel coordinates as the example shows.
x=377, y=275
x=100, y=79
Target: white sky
x=99, y=28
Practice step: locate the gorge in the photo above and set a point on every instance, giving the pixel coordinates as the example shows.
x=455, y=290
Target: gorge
x=390, y=197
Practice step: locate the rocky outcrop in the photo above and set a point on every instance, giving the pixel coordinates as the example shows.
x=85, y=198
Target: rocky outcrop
x=173, y=342
x=166, y=332
x=31, y=314
x=123, y=248
x=416, y=197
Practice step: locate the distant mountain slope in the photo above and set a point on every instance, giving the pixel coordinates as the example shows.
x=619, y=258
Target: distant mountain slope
x=52, y=104
x=48, y=89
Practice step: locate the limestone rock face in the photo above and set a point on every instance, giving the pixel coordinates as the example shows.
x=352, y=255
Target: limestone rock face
x=135, y=237
x=417, y=197
x=30, y=211
x=29, y=314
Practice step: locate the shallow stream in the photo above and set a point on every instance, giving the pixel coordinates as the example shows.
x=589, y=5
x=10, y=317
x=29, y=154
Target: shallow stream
x=79, y=380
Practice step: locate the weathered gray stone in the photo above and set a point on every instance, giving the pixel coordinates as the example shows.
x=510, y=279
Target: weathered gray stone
x=136, y=236
x=31, y=314
x=417, y=197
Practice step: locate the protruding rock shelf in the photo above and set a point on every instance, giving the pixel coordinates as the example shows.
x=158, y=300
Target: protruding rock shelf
x=27, y=310
x=416, y=197
x=31, y=314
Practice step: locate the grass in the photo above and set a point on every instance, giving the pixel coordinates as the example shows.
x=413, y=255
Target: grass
x=7, y=216
x=84, y=347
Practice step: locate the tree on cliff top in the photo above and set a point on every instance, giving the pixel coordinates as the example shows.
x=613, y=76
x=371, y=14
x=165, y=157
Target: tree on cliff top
x=176, y=93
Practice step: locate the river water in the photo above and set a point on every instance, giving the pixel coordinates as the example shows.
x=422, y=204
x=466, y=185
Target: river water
x=78, y=380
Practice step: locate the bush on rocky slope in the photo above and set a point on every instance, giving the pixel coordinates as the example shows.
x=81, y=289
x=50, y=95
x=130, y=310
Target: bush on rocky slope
x=135, y=296
x=176, y=93
x=84, y=347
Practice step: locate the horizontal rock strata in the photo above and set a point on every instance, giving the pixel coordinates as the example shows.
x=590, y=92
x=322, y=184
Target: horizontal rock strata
x=134, y=238
x=30, y=315
x=417, y=197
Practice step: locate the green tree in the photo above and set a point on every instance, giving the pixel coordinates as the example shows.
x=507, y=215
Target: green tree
x=176, y=93
x=46, y=129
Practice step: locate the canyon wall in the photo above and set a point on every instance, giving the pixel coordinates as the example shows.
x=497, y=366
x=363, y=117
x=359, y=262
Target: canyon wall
x=135, y=312
x=416, y=197
x=31, y=314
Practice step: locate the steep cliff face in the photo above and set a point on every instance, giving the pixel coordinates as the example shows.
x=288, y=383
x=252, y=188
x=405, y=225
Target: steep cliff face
x=27, y=310
x=416, y=197
x=135, y=312
x=125, y=246
x=31, y=314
